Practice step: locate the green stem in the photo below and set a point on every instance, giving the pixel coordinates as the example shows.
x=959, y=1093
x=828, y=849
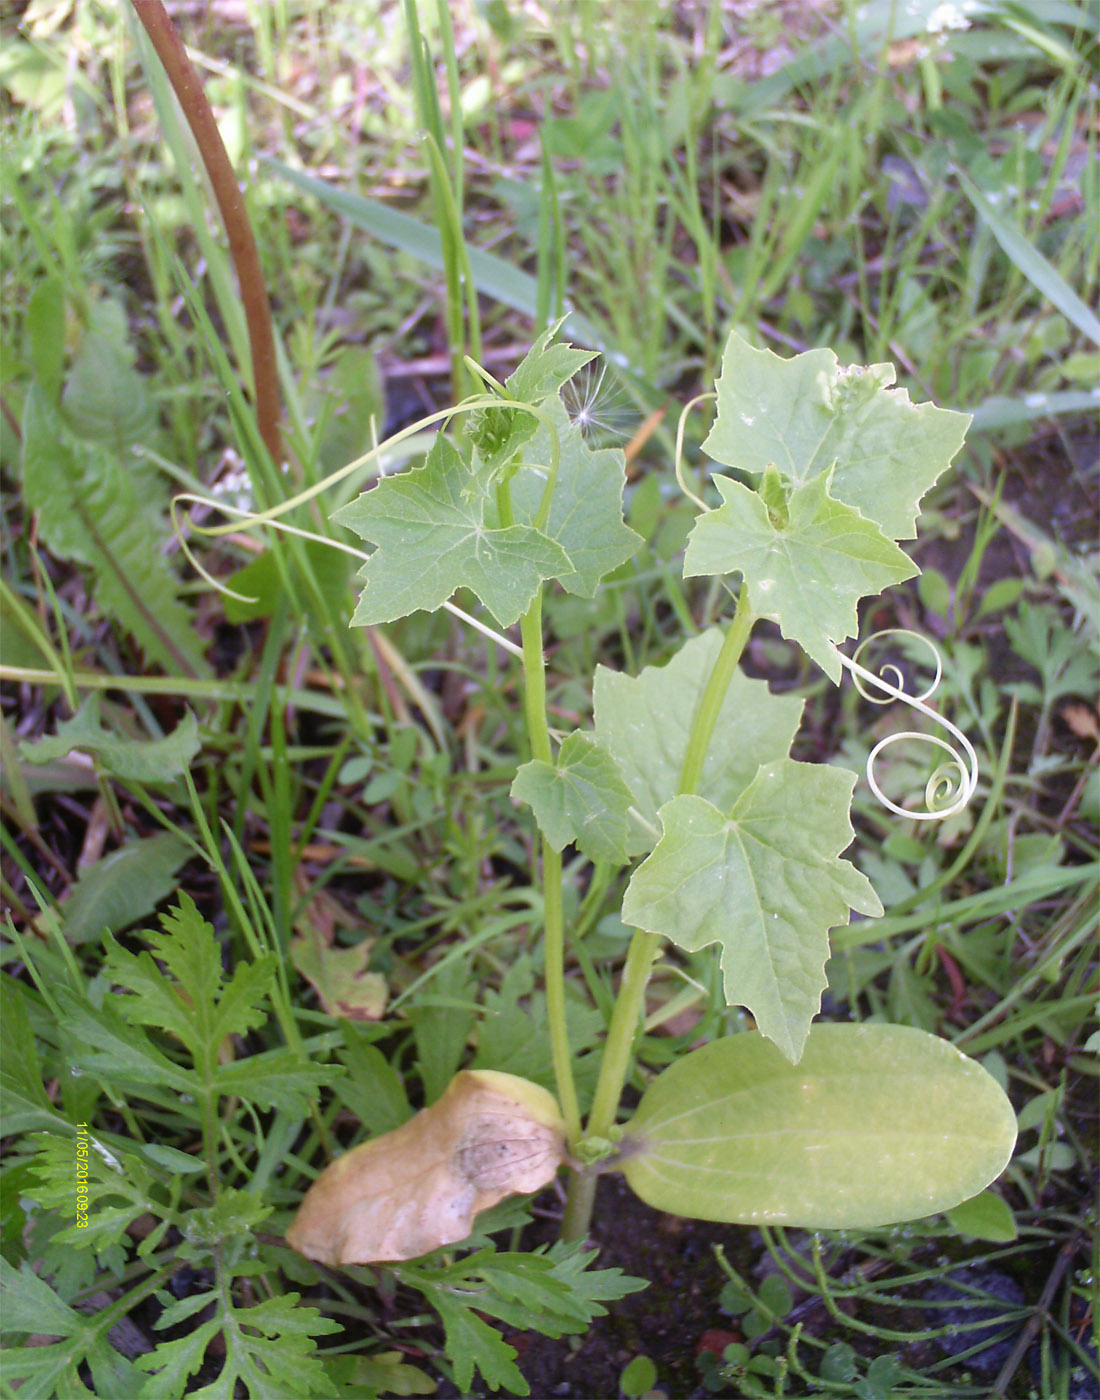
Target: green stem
x=714, y=693
x=614, y=1067
x=630, y=1003
x=538, y=732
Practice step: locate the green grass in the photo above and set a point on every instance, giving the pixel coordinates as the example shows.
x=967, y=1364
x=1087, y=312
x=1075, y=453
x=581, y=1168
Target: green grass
x=354, y=787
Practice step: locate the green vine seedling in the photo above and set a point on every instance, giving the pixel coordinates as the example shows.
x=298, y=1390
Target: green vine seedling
x=688, y=766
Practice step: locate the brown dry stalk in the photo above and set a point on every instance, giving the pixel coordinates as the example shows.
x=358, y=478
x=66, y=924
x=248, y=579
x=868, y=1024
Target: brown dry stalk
x=242, y=244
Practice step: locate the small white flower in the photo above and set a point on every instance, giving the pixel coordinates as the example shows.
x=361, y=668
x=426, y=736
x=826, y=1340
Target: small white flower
x=946, y=16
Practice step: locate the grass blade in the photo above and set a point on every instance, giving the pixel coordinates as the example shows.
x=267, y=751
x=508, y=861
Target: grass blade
x=1046, y=280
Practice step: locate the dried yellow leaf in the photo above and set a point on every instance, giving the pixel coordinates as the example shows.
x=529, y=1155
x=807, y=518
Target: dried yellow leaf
x=408, y=1192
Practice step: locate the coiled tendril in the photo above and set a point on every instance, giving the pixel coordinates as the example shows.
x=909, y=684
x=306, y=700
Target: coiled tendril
x=953, y=782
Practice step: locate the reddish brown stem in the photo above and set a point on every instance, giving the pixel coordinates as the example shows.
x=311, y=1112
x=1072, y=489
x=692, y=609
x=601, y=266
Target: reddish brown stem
x=242, y=245
x=955, y=977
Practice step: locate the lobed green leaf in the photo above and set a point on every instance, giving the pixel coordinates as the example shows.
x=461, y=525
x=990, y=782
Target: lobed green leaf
x=765, y=883
x=580, y=798
x=806, y=567
x=809, y=414
x=644, y=722
x=433, y=532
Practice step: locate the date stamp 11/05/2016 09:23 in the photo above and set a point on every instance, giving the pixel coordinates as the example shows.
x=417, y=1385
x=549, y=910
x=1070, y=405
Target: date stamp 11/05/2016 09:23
x=82, y=1176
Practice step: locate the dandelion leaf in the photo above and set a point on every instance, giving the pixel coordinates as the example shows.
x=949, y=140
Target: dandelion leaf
x=91, y=511
x=142, y=760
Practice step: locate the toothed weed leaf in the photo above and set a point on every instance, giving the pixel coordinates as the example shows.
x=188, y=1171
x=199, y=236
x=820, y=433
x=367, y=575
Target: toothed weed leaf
x=765, y=882
x=805, y=565
x=555, y=1293
x=809, y=414
x=195, y=1002
x=580, y=798
x=433, y=535
x=119, y=1189
x=29, y=1305
x=644, y=722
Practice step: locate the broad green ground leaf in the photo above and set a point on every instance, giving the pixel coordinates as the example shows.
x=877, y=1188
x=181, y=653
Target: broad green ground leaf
x=143, y=760
x=442, y=1018
x=985, y=1216
x=581, y=799
x=118, y=889
x=371, y=1088
x=586, y=512
x=806, y=571
x=874, y=1125
x=433, y=536
x=105, y=398
x=91, y=511
x=644, y=721
x=764, y=882
x=262, y=580
x=806, y=413
x=513, y=1034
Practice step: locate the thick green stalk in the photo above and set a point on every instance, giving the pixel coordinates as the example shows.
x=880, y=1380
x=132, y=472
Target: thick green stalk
x=710, y=703
x=538, y=732
x=614, y=1067
x=626, y=1016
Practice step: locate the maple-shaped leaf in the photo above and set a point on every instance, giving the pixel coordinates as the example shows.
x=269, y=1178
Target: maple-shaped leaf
x=546, y=367
x=644, y=722
x=433, y=533
x=586, y=510
x=806, y=559
x=807, y=413
x=580, y=799
x=765, y=882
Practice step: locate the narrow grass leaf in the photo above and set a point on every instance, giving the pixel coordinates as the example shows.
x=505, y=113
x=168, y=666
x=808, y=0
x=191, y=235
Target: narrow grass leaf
x=1046, y=280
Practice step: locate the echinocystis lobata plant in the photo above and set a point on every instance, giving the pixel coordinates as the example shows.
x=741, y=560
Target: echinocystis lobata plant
x=687, y=766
